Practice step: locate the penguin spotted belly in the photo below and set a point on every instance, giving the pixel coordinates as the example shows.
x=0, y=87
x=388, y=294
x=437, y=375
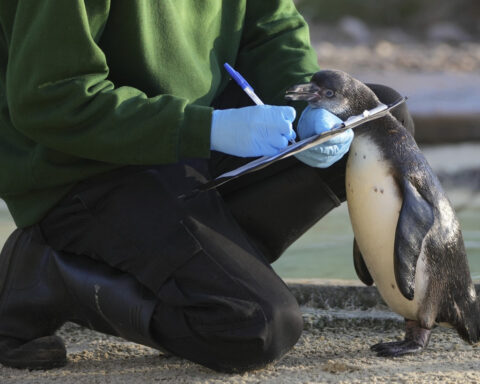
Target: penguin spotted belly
x=374, y=203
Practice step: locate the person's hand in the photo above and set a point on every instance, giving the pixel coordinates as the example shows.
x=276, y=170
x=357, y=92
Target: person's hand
x=258, y=130
x=314, y=121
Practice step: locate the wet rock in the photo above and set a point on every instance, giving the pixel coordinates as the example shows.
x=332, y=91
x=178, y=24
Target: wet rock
x=320, y=319
x=448, y=32
x=344, y=297
x=355, y=29
x=395, y=35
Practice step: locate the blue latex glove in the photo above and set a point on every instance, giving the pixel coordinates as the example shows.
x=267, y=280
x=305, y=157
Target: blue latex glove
x=314, y=121
x=258, y=130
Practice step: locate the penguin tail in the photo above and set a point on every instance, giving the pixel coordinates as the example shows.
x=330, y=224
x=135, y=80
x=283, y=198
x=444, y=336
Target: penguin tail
x=467, y=320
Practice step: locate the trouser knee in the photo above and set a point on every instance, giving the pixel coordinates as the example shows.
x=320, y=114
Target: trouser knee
x=257, y=334
x=278, y=331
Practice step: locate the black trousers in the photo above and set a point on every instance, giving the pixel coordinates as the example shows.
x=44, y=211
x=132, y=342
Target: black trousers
x=206, y=259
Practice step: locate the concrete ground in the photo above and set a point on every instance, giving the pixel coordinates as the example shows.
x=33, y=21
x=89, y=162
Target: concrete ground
x=341, y=322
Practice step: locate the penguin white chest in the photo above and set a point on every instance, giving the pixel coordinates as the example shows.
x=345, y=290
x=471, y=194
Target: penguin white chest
x=374, y=204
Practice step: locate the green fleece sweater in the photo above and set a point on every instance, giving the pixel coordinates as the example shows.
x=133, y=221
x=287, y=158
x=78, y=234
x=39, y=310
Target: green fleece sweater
x=87, y=86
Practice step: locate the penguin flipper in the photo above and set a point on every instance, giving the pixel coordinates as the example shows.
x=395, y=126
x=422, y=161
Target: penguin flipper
x=360, y=266
x=415, y=220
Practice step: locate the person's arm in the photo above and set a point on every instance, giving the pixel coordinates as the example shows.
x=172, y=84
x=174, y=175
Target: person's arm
x=59, y=94
x=276, y=54
x=275, y=49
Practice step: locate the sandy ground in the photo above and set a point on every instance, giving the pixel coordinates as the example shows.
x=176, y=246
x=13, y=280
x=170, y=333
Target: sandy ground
x=328, y=355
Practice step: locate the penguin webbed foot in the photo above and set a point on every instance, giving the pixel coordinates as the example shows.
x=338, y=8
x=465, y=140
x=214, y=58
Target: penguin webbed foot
x=397, y=348
x=416, y=340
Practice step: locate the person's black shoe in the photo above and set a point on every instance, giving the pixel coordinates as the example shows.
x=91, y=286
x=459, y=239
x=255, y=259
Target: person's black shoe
x=43, y=353
x=41, y=289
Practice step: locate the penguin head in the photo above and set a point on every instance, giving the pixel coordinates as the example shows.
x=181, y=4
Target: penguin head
x=335, y=91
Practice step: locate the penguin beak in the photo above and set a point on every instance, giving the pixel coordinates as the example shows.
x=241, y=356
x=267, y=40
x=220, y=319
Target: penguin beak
x=307, y=92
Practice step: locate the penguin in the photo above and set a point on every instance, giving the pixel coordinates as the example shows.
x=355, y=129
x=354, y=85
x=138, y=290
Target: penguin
x=407, y=237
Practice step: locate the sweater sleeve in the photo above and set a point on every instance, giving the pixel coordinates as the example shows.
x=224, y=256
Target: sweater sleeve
x=275, y=49
x=59, y=93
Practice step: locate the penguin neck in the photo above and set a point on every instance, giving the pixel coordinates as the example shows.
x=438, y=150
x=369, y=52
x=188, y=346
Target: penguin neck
x=381, y=129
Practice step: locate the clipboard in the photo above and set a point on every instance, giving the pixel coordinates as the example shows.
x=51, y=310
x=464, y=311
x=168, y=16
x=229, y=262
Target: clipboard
x=262, y=162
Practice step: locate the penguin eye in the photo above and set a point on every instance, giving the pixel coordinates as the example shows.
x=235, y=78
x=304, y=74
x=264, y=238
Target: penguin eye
x=329, y=93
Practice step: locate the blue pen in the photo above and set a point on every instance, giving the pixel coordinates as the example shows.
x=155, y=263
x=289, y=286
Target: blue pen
x=247, y=88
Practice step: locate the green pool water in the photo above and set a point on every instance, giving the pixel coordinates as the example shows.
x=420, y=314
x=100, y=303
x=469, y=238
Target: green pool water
x=326, y=250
